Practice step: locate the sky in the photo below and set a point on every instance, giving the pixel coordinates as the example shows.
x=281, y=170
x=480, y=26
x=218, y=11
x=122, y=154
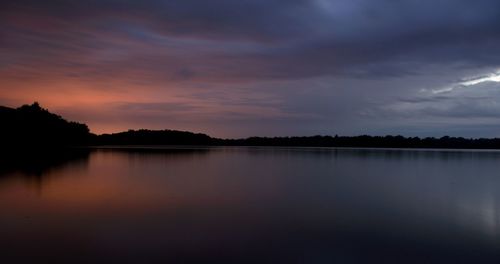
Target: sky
x=258, y=67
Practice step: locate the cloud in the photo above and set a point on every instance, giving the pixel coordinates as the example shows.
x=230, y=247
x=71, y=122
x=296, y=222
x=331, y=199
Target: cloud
x=264, y=39
x=492, y=78
x=308, y=66
x=472, y=104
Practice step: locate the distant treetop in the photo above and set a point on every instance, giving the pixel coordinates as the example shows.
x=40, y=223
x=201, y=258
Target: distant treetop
x=34, y=126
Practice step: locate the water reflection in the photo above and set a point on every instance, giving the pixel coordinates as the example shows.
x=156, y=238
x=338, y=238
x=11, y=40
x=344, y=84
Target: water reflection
x=256, y=205
x=34, y=167
x=35, y=163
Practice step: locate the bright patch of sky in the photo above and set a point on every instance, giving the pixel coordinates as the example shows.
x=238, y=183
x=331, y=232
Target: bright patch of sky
x=492, y=77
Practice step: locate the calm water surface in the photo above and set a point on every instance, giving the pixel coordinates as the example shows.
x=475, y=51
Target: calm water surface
x=251, y=205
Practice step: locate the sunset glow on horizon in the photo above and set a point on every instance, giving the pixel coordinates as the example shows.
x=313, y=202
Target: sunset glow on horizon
x=250, y=131
x=266, y=68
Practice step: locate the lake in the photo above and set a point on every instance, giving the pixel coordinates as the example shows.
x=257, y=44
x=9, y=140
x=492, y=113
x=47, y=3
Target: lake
x=251, y=205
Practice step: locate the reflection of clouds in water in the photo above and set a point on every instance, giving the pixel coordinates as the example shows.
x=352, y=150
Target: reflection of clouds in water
x=490, y=216
x=332, y=203
x=481, y=213
x=479, y=208
x=455, y=189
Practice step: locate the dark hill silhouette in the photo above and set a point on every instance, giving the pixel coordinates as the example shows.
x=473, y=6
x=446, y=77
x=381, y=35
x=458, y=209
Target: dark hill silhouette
x=33, y=126
x=155, y=137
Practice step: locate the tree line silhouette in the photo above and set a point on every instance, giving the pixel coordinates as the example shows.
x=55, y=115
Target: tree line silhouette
x=34, y=126
x=31, y=125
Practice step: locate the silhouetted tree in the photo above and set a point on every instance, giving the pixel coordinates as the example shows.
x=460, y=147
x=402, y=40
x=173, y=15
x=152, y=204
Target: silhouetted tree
x=34, y=126
x=31, y=125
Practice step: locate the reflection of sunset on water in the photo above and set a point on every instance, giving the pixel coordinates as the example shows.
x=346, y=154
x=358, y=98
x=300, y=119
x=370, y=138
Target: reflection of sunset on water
x=199, y=200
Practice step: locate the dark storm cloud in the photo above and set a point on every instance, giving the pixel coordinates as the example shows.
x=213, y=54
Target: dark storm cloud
x=291, y=38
